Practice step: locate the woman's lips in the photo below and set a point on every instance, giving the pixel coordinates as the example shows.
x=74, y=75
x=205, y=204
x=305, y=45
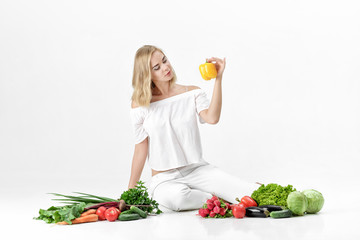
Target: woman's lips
x=168, y=74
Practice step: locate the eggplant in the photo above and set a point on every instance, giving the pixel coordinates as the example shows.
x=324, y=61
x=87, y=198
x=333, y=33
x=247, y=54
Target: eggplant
x=271, y=208
x=256, y=212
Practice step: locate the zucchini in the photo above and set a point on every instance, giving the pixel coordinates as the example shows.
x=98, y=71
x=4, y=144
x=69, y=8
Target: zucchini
x=256, y=212
x=129, y=217
x=271, y=208
x=281, y=214
x=138, y=211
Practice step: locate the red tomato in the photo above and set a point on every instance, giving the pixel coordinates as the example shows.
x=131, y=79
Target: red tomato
x=239, y=211
x=101, y=213
x=111, y=214
x=248, y=202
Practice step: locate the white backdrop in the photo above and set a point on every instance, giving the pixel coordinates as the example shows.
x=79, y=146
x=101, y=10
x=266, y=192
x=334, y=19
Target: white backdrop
x=290, y=89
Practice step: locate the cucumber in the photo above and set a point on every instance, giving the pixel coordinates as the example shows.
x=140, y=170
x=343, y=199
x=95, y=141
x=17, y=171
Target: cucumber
x=127, y=212
x=281, y=214
x=138, y=211
x=129, y=217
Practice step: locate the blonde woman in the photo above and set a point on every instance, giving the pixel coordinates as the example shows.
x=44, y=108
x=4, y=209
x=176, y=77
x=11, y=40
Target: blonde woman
x=164, y=116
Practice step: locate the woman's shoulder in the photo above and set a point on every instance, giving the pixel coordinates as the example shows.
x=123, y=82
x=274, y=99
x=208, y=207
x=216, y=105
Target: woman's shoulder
x=185, y=88
x=192, y=87
x=134, y=104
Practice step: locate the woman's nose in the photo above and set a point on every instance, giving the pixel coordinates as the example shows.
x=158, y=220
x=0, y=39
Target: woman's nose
x=166, y=68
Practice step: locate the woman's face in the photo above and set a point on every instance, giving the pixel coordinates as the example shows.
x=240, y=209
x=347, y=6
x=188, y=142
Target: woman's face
x=160, y=67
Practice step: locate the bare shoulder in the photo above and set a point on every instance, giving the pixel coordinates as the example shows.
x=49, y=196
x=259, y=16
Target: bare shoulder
x=191, y=87
x=134, y=105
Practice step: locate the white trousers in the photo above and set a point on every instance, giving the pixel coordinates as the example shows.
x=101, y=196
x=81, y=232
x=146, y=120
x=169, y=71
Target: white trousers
x=188, y=187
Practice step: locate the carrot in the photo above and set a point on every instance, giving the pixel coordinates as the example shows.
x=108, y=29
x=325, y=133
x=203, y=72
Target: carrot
x=84, y=219
x=88, y=212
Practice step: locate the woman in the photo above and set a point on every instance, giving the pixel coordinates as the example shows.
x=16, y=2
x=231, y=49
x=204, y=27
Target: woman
x=164, y=115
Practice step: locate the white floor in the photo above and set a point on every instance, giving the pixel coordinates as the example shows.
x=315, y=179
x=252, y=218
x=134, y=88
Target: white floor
x=339, y=219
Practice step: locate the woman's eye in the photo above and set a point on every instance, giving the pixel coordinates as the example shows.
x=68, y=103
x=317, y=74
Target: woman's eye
x=159, y=67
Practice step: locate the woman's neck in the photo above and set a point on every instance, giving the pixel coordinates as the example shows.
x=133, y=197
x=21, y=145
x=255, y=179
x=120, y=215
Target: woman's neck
x=163, y=89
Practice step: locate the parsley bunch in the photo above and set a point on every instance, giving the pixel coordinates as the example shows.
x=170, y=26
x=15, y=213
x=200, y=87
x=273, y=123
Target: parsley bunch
x=140, y=196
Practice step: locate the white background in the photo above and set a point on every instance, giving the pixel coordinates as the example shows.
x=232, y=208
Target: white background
x=290, y=113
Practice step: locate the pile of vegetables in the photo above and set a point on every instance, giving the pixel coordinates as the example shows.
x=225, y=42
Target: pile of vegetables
x=91, y=208
x=271, y=200
x=268, y=200
x=216, y=207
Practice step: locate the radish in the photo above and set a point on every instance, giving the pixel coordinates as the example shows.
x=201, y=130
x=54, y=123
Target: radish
x=214, y=198
x=212, y=214
x=222, y=211
x=202, y=213
x=209, y=201
x=210, y=206
x=216, y=209
x=217, y=203
x=228, y=205
x=206, y=211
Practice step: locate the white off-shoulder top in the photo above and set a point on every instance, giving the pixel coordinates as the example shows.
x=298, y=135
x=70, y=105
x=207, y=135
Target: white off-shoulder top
x=172, y=129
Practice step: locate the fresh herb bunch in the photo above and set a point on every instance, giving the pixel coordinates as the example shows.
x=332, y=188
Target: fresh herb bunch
x=63, y=213
x=140, y=196
x=272, y=194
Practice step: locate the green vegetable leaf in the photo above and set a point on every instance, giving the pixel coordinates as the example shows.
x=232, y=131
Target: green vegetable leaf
x=272, y=194
x=140, y=196
x=64, y=213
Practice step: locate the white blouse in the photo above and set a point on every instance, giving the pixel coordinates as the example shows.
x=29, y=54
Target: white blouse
x=171, y=125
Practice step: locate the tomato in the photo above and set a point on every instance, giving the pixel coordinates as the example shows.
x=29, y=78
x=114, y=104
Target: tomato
x=248, y=202
x=111, y=214
x=239, y=211
x=101, y=213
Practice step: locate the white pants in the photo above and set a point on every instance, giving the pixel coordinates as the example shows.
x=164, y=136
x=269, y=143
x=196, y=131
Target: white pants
x=188, y=187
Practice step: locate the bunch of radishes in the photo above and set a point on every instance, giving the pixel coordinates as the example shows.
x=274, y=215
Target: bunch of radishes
x=215, y=208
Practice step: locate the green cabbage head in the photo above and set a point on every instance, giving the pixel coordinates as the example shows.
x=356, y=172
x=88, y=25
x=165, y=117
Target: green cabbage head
x=315, y=200
x=297, y=203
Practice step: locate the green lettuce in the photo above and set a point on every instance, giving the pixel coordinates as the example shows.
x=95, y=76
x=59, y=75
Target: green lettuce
x=272, y=194
x=64, y=213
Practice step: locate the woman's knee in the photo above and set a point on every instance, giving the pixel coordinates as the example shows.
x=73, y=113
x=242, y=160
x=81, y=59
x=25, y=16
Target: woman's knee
x=174, y=198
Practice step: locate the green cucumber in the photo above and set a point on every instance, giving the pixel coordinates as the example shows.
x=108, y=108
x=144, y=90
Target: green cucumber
x=138, y=211
x=129, y=217
x=281, y=214
x=127, y=212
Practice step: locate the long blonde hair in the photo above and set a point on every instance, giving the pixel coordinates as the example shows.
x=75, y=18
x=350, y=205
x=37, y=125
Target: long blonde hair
x=141, y=80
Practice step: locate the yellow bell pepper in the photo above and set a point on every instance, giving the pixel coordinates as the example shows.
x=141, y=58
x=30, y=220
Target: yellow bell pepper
x=208, y=71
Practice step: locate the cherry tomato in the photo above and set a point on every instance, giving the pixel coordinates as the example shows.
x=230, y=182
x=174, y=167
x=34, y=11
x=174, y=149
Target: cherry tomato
x=111, y=214
x=239, y=211
x=248, y=202
x=101, y=213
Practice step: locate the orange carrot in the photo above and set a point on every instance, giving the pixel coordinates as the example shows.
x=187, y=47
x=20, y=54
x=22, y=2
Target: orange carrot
x=88, y=212
x=84, y=219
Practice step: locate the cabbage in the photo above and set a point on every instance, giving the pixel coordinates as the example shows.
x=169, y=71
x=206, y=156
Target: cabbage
x=297, y=203
x=315, y=200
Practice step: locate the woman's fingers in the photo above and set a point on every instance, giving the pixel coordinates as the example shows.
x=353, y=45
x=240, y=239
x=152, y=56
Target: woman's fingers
x=215, y=59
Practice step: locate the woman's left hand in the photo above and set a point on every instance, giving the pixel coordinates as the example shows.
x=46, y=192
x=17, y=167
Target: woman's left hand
x=219, y=64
